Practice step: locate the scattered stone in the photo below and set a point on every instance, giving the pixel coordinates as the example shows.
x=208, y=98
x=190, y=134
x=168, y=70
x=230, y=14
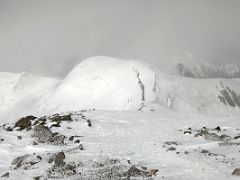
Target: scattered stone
x=24, y=123
x=236, y=172
x=1, y=139
x=153, y=172
x=217, y=129
x=39, y=157
x=89, y=123
x=187, y=132
x=77, y=141
x=19, y=137
x=64, y=170
x=204, y=151
x=186, y=152
x=170, y=143
x=55, y=125
x=35, y=143
x=236, y=137
x=37, y=178
x=59, y=159
x=18, y=162
x=225, y=137
x=81, y=147
x=171, y=148
x=45, y=135
x=229, y=143
x=9, y=129
x=136, y=172
x=6, y=175
x=59, y=118
x=71, y=138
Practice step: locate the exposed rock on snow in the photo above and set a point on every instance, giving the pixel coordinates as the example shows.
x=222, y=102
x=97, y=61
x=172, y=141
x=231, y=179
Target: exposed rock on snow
x=6, y=175
x=229, y=97
x=24, y=123
x=236, y=172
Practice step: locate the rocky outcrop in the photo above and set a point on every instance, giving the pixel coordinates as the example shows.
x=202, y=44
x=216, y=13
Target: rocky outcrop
x=229, y=97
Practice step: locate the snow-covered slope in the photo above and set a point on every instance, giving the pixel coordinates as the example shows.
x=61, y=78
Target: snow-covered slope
x=106, y=83
x=20, y=92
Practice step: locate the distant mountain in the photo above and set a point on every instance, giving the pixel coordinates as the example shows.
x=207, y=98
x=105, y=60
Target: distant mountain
x=209, y=71
x=190, y=66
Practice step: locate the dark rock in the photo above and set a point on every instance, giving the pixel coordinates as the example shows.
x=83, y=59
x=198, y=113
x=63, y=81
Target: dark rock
x=18, y=162
x=6, y=175
x=136, y=172
x=153, y=172
x=19, y=137
x=186, y=152
x=62, y=170
x=236, y=137
x=24, y=123
x=225, y=137
x=187, y=132
x=37, y=178
x=9, y=129
x=236, y=172
x=217, y=128
x=204, y=151
x=39, y=157
x=77, y=141
x=1, y=139
x=89, y=123
x=59, y=159
x=35, y=143
x=59, y=118
x=170, y=143
x=45, y=135
x=212, y=137
x=71, y=138
x=81, y=147
x=171, y=148
x=55, y=125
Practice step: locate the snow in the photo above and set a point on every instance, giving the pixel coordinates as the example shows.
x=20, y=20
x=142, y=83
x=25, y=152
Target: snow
x=140, y=138
x=133, y=108
x=103, y=79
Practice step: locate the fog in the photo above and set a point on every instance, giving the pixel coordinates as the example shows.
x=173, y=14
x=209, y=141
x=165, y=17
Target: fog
x=51, y=36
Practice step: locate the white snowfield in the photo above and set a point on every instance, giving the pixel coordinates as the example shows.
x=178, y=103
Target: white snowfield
x=139, y=116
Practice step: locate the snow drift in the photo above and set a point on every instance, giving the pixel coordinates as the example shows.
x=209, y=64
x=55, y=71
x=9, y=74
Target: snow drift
x=106, y=83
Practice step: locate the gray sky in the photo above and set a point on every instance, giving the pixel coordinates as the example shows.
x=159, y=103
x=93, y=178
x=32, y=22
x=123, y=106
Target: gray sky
x=50, y=36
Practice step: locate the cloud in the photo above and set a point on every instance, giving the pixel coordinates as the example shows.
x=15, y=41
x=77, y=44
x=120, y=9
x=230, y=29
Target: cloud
x=50, y=37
